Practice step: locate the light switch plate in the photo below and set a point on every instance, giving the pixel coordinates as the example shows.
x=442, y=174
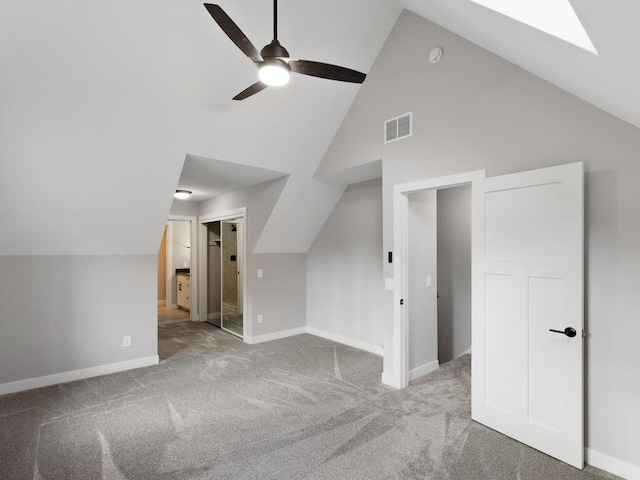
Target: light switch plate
x=428, y=280
x=260, y=273
x=388, y=284
x=260, y=319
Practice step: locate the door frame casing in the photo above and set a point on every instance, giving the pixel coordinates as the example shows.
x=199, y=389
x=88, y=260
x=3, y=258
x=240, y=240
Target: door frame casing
x=399, y=377
x=203, y=255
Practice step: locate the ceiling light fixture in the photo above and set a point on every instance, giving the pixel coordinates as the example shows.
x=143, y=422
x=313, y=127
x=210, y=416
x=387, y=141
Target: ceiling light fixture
x=182, y=194
x=273, y=61
x=274, y=72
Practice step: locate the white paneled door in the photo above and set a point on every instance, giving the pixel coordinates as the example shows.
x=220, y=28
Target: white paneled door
x=527, y=379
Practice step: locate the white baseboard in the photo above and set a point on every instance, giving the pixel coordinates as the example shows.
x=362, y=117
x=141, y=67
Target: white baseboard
x=64, y=377
x=345, y=341
x=423, y=370
x=162, y=302
x=274, y=336
x=612, y=465
x=173, y=306
x=466, y=352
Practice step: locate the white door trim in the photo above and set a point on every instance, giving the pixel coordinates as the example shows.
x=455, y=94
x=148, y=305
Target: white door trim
x=398, y=376
x=241, y=261
x=193, y=249
x=202, y=257
x=171, y=300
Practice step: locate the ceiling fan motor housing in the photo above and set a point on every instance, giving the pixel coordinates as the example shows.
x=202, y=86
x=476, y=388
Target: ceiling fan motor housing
x=274, y=49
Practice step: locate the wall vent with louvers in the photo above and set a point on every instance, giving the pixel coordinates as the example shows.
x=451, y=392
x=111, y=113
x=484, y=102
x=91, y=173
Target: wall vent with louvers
x=398, y=128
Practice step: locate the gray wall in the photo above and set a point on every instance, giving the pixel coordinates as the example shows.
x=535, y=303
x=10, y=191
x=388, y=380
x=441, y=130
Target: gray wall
x=280, y=295
x=474, y=110
x=344, y=269
x=422, y=301
x=454, y=272
x=184, y=208
x=64, y=313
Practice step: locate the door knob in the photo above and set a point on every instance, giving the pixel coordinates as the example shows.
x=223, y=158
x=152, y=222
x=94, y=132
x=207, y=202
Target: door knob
x=569, y=332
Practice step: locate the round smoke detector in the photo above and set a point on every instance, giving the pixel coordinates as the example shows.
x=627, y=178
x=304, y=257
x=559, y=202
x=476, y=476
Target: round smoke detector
x=435, y=55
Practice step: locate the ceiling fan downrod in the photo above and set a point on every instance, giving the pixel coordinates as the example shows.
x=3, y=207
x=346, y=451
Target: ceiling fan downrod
x=275, y=19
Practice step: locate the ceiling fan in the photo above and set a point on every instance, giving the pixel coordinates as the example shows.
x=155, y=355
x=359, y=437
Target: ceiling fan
x=273, y=60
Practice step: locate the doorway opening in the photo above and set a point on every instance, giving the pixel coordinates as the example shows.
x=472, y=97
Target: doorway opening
x=176, y=274
x=527, y=257
x=224, y=286
x=415, y=221
x=439, y=277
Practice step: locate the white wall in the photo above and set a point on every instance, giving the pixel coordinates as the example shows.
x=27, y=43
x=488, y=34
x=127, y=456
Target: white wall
x=473, y=110
x=344, y=273
x=454, y=272
x=184, y=208
x=65, y=313
x=180, y=244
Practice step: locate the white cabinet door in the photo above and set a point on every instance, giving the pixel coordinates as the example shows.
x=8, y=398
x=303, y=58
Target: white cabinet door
x=527, y=381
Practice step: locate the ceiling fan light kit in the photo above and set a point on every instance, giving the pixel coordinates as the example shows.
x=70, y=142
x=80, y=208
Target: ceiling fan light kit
x=273, y=62
x=274, y=72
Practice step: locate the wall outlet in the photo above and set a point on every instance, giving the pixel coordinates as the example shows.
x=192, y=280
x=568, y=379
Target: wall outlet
x=428, y=280
x=126, y=341
x=260, y=273
x=260, y=318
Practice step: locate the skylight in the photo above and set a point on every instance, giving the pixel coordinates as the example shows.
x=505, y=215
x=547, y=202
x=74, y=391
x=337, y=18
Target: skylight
x=555, y=17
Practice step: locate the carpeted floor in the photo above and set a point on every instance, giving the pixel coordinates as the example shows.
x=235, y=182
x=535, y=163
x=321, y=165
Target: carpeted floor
x=298, y=408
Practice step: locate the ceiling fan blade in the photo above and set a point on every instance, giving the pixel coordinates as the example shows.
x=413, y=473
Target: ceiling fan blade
x=325, y=70
x=233, y=32
x=252, y=90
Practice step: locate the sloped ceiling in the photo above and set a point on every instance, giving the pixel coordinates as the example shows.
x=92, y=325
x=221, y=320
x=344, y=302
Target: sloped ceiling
x=608, y=80
x=100, y=103
x=207, y=178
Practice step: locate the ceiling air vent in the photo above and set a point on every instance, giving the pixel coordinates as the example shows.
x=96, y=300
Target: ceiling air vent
x=399, y=127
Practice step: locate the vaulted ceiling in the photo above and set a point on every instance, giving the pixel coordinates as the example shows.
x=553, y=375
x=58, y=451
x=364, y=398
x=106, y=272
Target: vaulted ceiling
x=101, y=102
x=608, y=80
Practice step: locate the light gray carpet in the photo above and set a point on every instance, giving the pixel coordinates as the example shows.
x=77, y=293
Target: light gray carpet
x=298, y=408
